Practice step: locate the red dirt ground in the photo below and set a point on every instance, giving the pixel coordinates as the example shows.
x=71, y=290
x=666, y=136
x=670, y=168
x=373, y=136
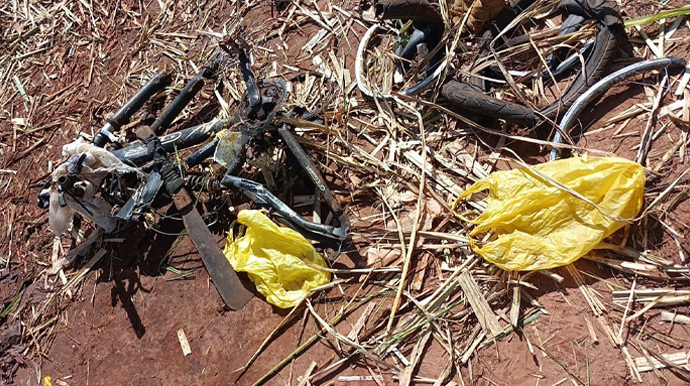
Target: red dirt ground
x=121, y=328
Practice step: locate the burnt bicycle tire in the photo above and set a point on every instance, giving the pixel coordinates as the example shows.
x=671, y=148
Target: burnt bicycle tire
x=596, y=63
x=468, y=98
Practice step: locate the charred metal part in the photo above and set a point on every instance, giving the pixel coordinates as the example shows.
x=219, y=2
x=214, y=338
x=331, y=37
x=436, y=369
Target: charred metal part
x=198, y=182
x=605, y=84
x=142, y=197
x=125, y=113
x=114, y=188
x=182, y=100
x=272, y=95
x=199, y=155
x=253, y=94
x=137, y=154
x=260, y=195
x=314, y=175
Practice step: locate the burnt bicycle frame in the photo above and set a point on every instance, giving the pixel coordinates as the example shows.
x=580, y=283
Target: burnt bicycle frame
x=263, y=100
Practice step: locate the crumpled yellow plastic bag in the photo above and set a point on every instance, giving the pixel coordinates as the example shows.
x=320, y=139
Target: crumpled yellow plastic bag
x=537, y=225
x=274, y=258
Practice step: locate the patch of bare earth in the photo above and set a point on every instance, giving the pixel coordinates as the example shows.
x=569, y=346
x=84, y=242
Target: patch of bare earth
x=67, y=66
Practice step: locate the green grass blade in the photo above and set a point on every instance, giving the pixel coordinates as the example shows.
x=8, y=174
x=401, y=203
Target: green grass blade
x=644, y=20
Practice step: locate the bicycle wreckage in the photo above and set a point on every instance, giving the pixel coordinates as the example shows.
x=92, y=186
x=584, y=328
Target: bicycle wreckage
x=115, y=184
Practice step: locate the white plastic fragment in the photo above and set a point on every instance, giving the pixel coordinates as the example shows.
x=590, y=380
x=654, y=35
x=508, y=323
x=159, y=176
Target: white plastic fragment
x=229, y=147
x=60, y=218
x=184, y=343
x=97, y=164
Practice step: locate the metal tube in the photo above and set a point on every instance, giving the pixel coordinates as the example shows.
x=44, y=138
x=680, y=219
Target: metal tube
x=179, y=103
x=137, y=154
x=605, y=84
x=125, y=113
x=260, y=195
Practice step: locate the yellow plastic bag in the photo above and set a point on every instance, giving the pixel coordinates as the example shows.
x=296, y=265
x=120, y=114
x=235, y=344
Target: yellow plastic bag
x=537, y=225
x=274, y=257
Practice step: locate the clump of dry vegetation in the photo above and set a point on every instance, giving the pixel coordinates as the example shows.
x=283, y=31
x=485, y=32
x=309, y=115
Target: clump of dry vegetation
x=396, y=163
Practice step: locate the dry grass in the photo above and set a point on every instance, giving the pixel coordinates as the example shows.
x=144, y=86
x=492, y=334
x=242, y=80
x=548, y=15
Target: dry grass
x=402, y=161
